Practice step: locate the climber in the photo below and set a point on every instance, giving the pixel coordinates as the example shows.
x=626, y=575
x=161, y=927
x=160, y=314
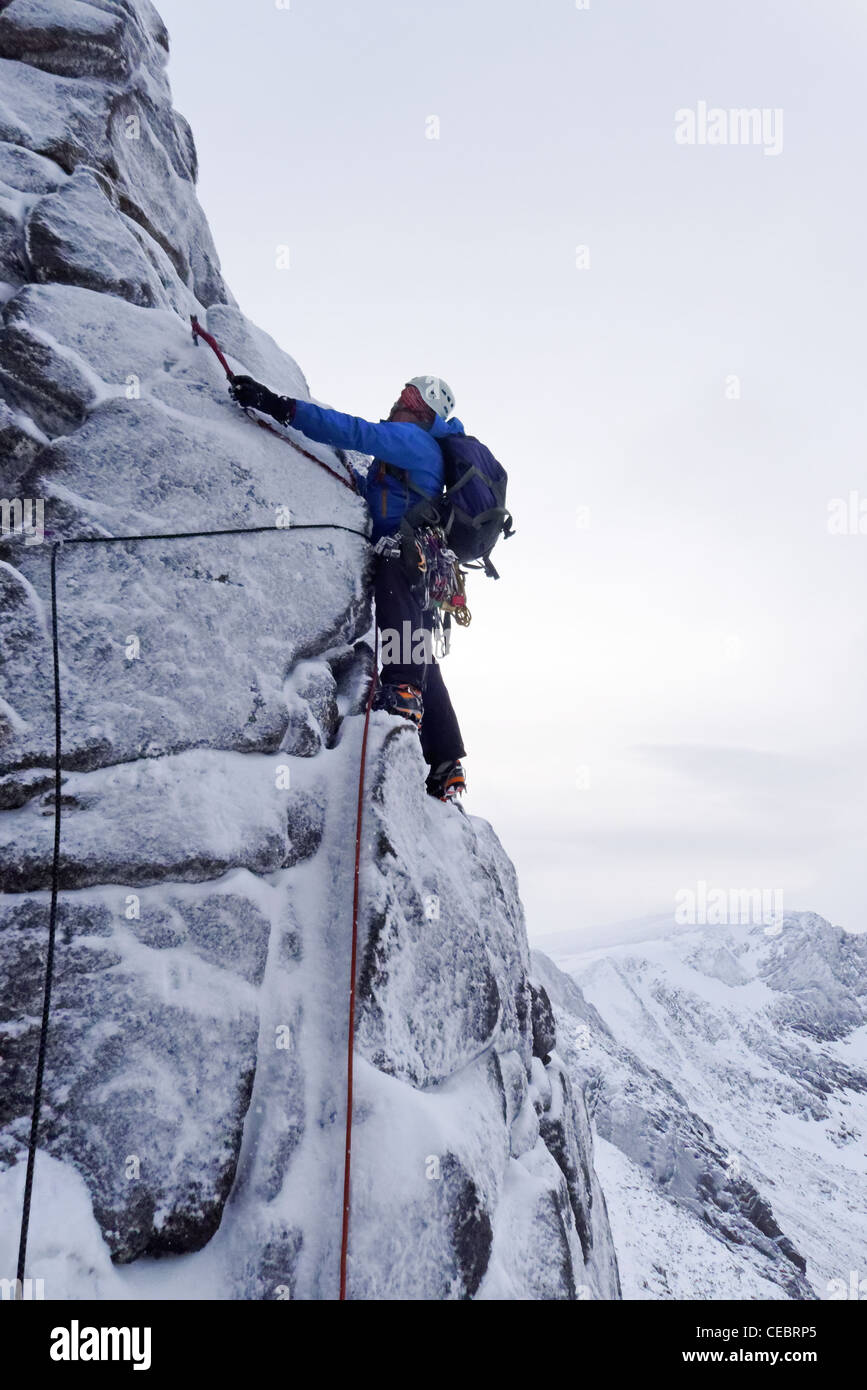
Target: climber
x=407, y=465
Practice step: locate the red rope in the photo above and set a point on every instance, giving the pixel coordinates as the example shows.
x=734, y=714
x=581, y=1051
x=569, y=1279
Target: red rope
x=344, y=1240
x=200, y=332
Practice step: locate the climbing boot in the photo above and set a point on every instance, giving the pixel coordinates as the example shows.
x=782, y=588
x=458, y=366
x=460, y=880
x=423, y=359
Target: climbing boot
x=447, y=781
x=403, y=700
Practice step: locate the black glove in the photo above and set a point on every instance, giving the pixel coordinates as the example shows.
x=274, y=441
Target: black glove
x=252, y=395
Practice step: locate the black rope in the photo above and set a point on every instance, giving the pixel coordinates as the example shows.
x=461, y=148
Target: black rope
x=55, y=867
x=229, y=531
x=52, y=932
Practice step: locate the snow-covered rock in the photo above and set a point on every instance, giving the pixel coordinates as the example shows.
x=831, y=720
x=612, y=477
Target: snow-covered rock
x=192, y=1133
x=726, y=1070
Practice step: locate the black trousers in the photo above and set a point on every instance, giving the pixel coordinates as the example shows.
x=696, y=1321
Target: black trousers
x=398, y=611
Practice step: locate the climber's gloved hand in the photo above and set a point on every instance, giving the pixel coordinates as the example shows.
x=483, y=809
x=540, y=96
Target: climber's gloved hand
x=252, y=395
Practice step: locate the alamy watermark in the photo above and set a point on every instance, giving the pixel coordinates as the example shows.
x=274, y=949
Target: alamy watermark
x=847, y=516
x=23, y=516
x=77, y=1343
x=409, y=647
x=737, y=125
x=26, y=1290
x=855, y=1289
x=706, y=906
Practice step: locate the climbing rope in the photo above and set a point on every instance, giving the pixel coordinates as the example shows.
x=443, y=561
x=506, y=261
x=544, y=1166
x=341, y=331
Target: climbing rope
x=350, y=1045
x=49, y=959
x=200, y=332
x=56, y=546
x=195, y=535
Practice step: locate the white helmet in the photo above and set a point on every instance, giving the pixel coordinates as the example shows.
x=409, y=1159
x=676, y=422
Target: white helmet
x=436, y=393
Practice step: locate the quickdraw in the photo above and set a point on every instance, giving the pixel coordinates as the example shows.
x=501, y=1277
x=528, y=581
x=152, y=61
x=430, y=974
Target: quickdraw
x=437, y=577
x=458, y=603
x=437, y=566
x=444, y=585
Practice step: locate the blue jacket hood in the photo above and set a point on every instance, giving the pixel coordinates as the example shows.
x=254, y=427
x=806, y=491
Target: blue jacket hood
x=441, y=427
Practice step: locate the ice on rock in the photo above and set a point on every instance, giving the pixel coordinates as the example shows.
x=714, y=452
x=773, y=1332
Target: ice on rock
x=195, y=1087
x=155, y=1138
x=76, y=236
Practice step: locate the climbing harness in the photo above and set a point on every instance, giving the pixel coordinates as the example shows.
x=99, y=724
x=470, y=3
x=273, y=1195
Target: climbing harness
x=200, y=332
x=435, y=576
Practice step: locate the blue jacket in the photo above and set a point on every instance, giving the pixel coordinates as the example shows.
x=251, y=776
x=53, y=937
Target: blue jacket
x=408, y=447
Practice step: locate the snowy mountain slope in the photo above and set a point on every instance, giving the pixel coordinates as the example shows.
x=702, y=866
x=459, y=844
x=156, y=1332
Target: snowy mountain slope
x=728, y=1072
x=195, y=1089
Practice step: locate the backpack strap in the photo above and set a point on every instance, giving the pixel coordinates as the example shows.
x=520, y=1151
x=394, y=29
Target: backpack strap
x=493, y=513
x=482, y=518
x=428, y=512
x=467, y=477
x=403, y=476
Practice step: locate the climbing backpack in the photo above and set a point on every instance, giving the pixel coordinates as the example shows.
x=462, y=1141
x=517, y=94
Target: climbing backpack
x=472, y=511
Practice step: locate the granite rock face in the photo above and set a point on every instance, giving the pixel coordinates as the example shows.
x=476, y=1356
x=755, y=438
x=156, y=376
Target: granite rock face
x=195, y=1086
x=145, y=1091
x=446, y=1029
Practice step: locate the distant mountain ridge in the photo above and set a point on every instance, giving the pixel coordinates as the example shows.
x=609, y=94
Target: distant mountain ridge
x=726, y=1070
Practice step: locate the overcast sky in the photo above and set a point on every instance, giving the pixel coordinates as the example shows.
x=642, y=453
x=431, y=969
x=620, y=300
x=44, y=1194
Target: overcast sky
x=667, y=685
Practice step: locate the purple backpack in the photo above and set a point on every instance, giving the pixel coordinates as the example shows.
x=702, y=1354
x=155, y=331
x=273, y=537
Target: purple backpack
x=472, y=511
